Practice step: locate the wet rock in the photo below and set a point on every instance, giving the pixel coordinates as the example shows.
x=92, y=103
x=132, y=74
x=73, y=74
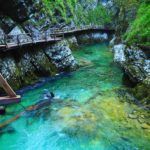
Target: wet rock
x=61, y=56
x=98, y=37
x=92, y=38
x=119, y=53
x=134, y=61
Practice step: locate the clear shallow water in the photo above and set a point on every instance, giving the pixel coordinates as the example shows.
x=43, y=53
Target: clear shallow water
x=89, y=116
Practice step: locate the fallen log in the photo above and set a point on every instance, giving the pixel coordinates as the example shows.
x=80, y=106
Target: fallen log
x=34, y=107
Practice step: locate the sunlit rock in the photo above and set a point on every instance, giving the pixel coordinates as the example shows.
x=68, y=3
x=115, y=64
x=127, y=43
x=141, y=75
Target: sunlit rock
x=92, y=38
x=8, y=67
x=119, y=54
x=18, y=35
x=61, y=56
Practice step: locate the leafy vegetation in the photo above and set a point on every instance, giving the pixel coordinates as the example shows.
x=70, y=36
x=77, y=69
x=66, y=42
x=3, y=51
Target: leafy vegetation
x=61, y=8
x=69, y=10
x=96, y=16
x=140, y=28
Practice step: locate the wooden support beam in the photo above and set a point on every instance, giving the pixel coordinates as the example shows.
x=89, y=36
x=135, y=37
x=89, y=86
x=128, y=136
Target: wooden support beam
x=7, y=87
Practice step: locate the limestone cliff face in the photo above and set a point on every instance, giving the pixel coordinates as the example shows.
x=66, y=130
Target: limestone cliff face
x=137, y=66
x=134, y=61
x=32, y=15
x=24, y=13
x=24, y=66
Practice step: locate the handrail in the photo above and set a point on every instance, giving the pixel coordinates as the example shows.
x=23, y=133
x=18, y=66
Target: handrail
x=53, y=33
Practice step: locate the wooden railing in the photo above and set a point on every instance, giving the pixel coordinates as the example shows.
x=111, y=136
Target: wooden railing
x=51, y=35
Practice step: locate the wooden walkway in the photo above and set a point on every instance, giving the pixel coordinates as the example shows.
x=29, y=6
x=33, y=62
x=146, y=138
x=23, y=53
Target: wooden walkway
x=15, y=41
x=12, y=97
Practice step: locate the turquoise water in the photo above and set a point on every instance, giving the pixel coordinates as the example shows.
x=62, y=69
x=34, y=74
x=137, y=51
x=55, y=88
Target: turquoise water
x=87, y=115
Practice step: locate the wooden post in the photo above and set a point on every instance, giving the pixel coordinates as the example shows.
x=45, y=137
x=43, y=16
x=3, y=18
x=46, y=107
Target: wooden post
x=7, y=87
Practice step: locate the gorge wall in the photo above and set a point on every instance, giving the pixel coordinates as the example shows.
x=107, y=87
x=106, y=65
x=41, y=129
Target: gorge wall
x=24, y=66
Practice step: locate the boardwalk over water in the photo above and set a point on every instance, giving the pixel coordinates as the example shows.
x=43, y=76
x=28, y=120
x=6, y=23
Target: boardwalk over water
x=10, y=42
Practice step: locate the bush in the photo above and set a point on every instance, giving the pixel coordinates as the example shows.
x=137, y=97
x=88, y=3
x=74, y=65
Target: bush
x=139, y=32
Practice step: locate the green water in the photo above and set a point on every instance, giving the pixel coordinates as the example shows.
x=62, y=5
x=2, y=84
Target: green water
x=88, y=116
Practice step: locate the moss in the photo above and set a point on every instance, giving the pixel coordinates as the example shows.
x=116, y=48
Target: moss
x=141, y=92
x=139, y=32
x=73, y=10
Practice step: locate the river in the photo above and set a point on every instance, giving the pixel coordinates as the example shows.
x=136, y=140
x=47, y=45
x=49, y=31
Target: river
x=89, y=114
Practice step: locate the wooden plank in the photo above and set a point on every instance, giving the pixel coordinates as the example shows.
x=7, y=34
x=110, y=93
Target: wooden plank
x=6, y=100
x=7, y=87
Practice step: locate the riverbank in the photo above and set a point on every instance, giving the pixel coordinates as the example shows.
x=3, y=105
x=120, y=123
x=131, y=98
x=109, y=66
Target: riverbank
x=25, y=66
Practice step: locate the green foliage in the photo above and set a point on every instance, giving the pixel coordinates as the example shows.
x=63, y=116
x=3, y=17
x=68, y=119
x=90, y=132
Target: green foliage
x=73, y=10
x=140, y=28
x=96, y=16
x=61, y=8
x=126, y=4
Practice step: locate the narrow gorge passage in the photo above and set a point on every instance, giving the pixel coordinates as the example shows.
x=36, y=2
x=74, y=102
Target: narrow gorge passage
x=90, y=114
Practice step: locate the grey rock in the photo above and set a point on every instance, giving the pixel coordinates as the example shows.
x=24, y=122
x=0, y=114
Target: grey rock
x=134, y=61
x=17, y=34
x=119, y=53
x=92, y=38
x=61, y=55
